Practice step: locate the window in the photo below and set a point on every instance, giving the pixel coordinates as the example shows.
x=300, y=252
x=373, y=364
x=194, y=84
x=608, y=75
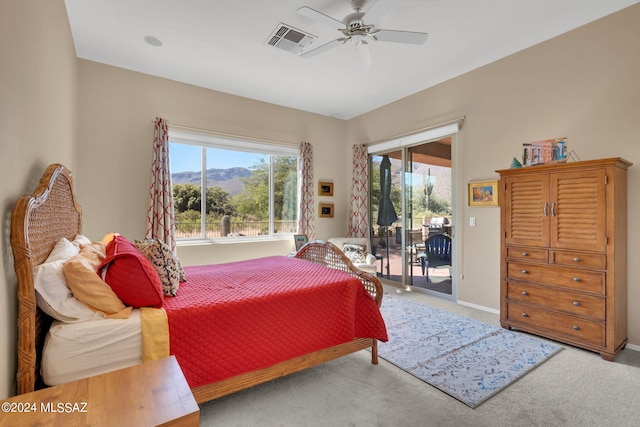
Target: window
x=251, y=187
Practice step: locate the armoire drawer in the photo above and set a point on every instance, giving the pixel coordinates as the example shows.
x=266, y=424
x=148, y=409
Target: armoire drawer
x=569, y=326
x=568, y=301
x=527, y=254
x=582, y=260
x=570, y=278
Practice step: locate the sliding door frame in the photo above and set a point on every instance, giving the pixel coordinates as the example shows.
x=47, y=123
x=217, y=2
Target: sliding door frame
x=403, y=143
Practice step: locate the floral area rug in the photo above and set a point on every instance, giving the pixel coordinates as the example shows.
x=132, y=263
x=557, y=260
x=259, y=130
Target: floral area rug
x=462, y=357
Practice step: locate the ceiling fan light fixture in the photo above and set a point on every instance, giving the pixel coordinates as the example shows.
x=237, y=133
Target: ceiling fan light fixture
x=364, y=55
x=358, y=41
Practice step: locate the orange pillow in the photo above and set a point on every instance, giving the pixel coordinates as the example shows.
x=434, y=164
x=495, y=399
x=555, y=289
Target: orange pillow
x=108, y=238
x=85, y=284
x=131, y=276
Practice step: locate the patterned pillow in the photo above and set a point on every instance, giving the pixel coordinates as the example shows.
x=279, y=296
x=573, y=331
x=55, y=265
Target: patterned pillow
x=166, y=263
x=356, y=253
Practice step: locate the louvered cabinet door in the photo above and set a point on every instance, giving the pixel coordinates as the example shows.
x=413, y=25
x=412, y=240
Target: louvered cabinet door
x=563, y=271
x=526, y=205
x=578, y=210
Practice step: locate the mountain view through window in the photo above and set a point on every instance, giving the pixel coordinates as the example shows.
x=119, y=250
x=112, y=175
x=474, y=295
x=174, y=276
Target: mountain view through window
x=248, y=193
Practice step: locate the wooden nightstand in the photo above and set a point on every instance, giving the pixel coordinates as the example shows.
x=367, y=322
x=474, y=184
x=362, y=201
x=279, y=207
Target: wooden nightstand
x=151, y=394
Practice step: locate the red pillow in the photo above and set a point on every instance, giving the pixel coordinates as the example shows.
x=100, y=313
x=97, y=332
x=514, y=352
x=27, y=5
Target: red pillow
x=131, y=276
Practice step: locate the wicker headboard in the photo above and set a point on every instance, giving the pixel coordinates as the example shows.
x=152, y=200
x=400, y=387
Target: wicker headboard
x=38, y=221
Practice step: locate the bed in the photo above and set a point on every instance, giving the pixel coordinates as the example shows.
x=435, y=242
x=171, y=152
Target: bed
x=51, y=213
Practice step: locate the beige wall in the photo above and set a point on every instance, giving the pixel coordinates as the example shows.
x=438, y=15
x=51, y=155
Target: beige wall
x=584, y=85
x=116, y=109
x=37, y=127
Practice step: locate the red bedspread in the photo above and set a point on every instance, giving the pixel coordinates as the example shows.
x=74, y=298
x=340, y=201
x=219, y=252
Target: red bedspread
x=234, y=318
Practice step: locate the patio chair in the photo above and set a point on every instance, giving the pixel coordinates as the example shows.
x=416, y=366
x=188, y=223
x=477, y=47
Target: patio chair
x=437, y=249
x=357, y=250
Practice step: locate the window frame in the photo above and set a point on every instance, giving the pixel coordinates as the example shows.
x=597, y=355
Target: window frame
x=206, y=140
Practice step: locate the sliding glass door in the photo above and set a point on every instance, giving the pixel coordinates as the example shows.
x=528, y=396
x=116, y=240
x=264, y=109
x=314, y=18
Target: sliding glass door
x=429, y=216
x=386, y=208
x=419, y=188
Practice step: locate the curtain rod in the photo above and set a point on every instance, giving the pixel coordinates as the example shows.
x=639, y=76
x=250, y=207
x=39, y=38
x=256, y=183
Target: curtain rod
x=277, y=142
x=228, y=135
x=458, y=120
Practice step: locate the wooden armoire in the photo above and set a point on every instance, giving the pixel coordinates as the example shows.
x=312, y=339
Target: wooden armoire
x=563, y=234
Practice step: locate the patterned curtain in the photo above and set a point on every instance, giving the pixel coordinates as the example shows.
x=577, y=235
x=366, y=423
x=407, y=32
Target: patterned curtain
x=160, y=221
x=359, y=215
x=307, y=211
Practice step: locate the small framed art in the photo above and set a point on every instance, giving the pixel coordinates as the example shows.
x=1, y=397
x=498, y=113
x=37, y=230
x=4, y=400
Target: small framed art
x=326, y=210
x=325, y=188
x=300, y=240
x=483, y=193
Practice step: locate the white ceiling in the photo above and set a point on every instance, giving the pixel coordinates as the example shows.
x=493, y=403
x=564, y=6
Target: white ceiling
x=220, y=44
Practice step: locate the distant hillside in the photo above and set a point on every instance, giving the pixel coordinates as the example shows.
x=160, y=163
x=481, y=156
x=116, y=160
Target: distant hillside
x=230, y=179
x=442, y=178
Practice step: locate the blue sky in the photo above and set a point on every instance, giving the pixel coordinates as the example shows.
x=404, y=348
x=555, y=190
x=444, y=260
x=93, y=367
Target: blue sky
x=186, y=157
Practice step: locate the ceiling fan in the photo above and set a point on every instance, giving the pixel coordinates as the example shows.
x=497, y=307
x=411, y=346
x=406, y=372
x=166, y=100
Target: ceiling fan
x=359, y=34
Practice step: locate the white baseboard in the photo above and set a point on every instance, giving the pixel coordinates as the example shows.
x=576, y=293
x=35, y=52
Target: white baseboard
x=479, y=307
x=633, y=347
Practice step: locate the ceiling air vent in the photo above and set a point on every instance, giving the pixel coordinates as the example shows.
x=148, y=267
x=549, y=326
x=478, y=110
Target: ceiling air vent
x=289, y=39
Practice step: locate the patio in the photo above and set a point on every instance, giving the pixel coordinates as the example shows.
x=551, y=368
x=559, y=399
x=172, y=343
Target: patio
x=439, y=278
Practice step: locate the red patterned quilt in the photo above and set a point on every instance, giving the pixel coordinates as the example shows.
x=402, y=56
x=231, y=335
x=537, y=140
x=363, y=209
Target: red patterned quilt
x=233, y=318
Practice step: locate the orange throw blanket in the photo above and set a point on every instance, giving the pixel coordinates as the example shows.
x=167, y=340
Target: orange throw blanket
x=155, y=333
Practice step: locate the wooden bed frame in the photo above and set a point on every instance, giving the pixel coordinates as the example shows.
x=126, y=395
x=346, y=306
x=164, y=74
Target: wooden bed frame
x=40, y=219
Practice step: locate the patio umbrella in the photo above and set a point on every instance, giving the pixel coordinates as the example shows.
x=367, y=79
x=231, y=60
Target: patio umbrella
x=386, y=212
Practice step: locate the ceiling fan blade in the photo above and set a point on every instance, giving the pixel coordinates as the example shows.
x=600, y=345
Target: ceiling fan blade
x=394, y=36
x=320, y=17
x=323, y=48
x=378, y=10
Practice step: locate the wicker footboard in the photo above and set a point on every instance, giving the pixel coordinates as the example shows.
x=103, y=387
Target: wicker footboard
x=328, y=254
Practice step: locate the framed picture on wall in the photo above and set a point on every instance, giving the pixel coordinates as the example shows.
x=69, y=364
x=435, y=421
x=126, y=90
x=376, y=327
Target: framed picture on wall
x=325, y=188
x=483, y=193
x=300, y=240
x=326, y=210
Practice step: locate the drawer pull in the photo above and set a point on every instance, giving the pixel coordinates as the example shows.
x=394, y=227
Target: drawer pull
x=525, y=293
x=525, y=272
x=525, y=254
x=576, y=279
x=576, y=259
x=576, y=328
x=525, y=315
x=576, y=303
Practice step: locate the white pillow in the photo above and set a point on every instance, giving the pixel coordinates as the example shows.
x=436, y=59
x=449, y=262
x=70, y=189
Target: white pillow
x=80, y=240
x=52, y=293
x=63, y=250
